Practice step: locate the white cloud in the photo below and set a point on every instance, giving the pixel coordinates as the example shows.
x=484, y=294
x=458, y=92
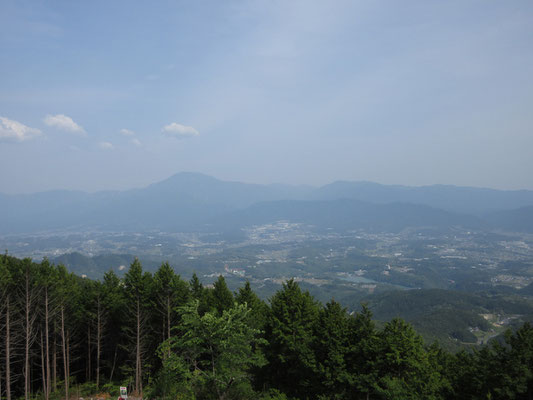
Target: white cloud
x=106, y=145
x=179, y=131
x=63, y=122
x=136, y=142
x=14, y=130
x=126, y=132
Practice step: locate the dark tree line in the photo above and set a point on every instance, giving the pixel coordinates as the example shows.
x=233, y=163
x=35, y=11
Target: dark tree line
x=167, y=338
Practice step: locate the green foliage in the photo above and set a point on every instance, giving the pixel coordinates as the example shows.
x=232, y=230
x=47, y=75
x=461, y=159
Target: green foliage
x=258, y=308
x=403, y=365
x=113, y=295
x=6, y=278
x=221, y=298
x=197, y=290
x=289, y=333
x=361, y=359
x=169, y=292
x=212, y=354
x=168, y=285
x=331, y=347
x=137, y=285
x=274, y=394
x=517, y=360
x=445, y=315
x=499, y=371
x=238, y=347
x=173, y=379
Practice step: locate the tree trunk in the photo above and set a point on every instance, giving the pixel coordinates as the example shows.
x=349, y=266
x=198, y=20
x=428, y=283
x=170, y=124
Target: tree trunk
x=64, y=345
x=27, y=341
x=138, y=358
x=8, y=350
x=88, y=373
x=43, y=370
x=68, y=358
x=55, y=358
x=168, y=322
x=113, y=367
x=98, y=339
x=46, y=334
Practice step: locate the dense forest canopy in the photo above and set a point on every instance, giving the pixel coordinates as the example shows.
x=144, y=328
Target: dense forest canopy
x=167, y=338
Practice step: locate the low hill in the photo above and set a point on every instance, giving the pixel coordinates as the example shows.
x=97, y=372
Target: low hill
x=451, y=317
x=518, y=220
x=347, y=214
x=94, y=267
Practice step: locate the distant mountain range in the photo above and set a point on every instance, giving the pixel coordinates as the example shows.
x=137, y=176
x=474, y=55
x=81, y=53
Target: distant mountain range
x=192, y=201
x=468, y=200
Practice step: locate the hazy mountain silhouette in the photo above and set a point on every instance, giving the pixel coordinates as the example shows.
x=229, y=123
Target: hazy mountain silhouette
x=192, y=201
x=518, y=220
x=348, y=214
x=460, y=199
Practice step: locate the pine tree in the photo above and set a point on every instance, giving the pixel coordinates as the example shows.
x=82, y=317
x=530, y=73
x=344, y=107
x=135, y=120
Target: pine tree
x=331, y=347
x=6, y=308
x=100, y=327
x=197, y=290
x=258, y=308
x=361, y=359
x=221, y=298
x=509, y=366
x=47, y=281
x=170, y=292
x=115, y=320
x=137, y=288
x=67, y=294
x=289, y=332
x=404, y=369
x=29, y=296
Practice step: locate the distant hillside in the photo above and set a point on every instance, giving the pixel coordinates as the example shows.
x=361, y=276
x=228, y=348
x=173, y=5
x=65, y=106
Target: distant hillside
x=190, y=201
x=348, y=215
x=468, y=200
x=519, y=220
x=93, y=267
x=446, y=315
x=527, y=291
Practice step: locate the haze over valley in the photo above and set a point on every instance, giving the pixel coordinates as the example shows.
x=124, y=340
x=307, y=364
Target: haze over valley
x=266, y=199
x=352, y=241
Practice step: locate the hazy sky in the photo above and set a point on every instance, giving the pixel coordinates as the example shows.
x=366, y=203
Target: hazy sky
x=119, y=94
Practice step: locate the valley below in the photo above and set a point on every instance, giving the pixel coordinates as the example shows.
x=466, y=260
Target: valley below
x=456, y=262
x=460, y=287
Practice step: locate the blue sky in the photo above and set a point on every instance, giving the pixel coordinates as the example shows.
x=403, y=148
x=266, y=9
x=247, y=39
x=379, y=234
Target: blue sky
x=118, y=94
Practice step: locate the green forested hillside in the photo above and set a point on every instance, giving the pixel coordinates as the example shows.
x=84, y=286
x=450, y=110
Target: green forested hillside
x=167, y=338
x=453, y=318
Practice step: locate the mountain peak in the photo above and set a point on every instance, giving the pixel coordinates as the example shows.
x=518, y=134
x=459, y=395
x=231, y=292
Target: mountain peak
x=186, y=179
x=191, y=176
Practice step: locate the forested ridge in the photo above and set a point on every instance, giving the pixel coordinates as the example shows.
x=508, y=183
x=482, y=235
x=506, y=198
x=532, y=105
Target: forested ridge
x=167, y=338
